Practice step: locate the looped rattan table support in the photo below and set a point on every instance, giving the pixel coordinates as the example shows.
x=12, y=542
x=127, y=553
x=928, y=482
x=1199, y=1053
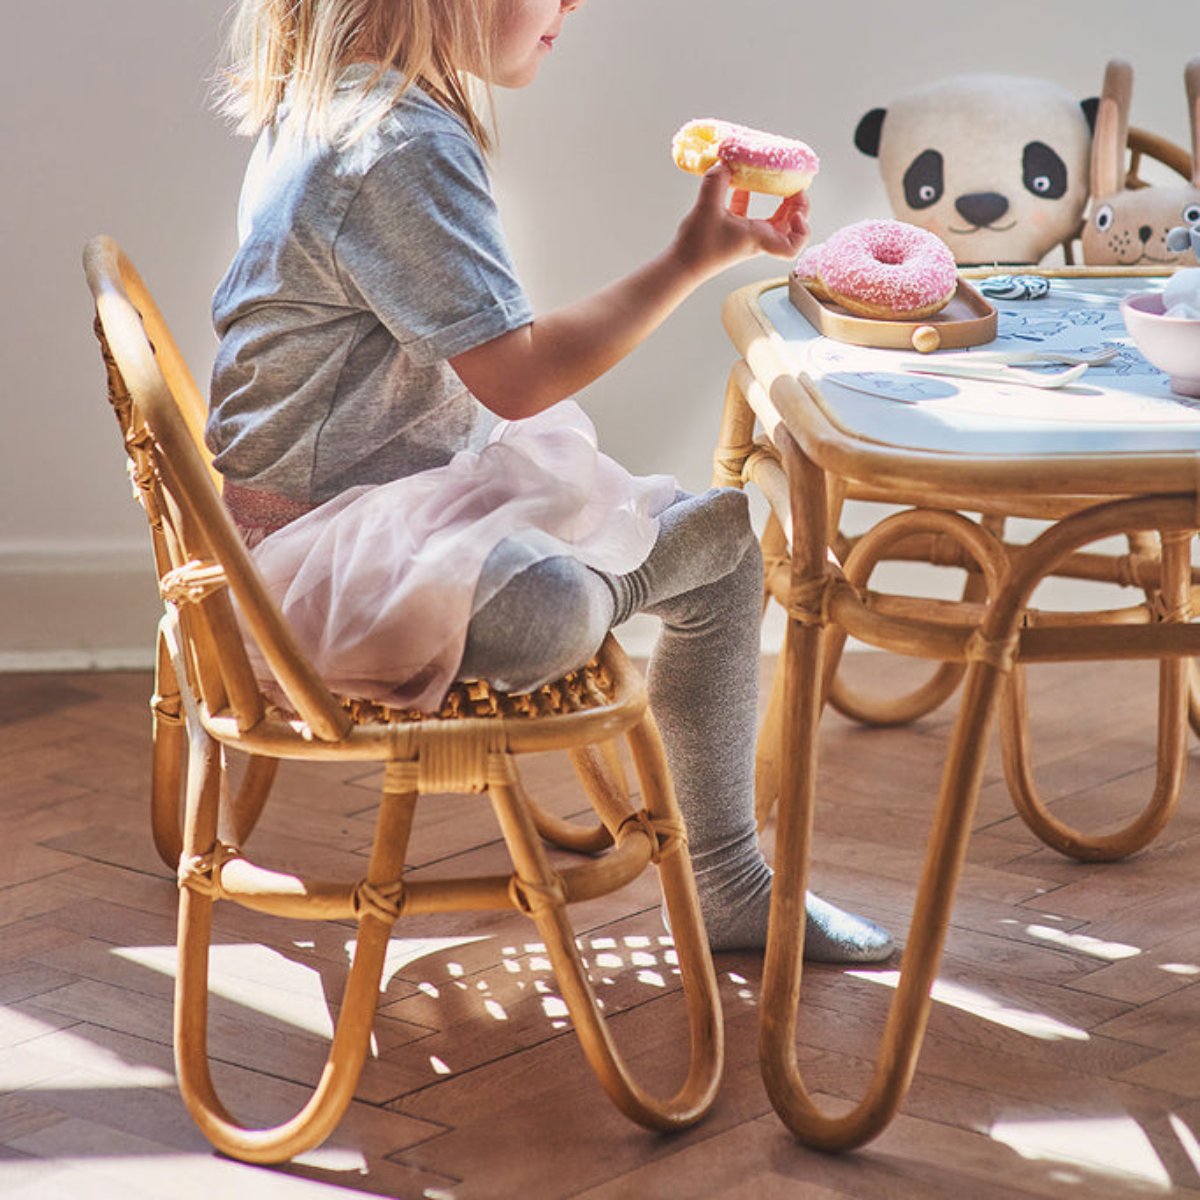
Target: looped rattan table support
x=989, y=653
x=1171, y=605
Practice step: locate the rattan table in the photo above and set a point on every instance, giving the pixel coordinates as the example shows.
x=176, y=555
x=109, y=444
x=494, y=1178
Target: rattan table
x=1114, y=455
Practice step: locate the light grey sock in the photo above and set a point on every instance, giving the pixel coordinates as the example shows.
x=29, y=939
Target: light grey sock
x=704, y=580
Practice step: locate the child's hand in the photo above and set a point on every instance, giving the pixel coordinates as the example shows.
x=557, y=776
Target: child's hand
x=716, y=234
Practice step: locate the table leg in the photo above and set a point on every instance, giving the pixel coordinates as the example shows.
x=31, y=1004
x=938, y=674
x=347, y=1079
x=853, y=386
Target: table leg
x=947, y=847
x=990, y=655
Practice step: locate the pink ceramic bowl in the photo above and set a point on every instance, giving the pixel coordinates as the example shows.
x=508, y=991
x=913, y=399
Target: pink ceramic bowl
x=1172, y=344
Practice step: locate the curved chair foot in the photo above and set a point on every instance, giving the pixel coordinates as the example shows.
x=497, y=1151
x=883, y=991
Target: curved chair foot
x=541, y=890
x=199, y=886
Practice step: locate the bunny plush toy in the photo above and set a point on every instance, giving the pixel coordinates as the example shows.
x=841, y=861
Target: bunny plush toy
x=1133, y=227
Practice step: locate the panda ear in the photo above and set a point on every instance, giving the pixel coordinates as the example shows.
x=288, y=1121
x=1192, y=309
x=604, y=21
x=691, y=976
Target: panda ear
x=870, y=132
x=1089, y=106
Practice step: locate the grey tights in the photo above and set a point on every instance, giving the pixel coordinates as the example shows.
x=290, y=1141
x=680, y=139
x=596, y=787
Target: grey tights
x=704, y=580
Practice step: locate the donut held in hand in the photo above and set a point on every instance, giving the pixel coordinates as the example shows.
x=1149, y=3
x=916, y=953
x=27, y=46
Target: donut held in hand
x=758, y=161
x=888, y=270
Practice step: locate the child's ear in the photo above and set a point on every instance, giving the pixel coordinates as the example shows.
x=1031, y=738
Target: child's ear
x=1089, y=106
x=870, y=132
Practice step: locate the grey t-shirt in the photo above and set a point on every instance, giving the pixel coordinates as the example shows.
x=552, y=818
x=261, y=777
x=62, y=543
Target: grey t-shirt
x=360, y=271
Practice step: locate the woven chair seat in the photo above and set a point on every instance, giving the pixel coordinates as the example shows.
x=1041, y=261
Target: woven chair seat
x=590, y=687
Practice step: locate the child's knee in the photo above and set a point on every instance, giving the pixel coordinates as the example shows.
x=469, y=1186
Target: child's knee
x=718, y=518
x=731, y=506
x=547, y=620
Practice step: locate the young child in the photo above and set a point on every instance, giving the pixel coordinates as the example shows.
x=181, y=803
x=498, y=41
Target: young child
x=372, y=330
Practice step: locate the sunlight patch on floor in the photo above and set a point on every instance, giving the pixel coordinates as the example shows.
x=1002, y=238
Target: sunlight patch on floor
x=1115, y=1146
x=1096, y=947
x=66, y=1061
x=1034, y=1024
x=269, y=981
x=1187, y=1139
x=1179, y=968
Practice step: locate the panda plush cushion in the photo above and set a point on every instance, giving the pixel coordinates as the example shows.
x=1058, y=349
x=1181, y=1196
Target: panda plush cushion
x=995, y=165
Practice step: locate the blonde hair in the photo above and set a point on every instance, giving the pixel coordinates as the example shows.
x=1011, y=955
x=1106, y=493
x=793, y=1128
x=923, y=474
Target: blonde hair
x=299, y=47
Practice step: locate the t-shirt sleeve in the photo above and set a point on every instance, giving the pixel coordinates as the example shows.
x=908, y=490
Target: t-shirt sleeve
x=421, y=246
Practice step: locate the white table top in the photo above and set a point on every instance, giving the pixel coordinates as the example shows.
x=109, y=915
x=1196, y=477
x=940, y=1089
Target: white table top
x=1125, y=406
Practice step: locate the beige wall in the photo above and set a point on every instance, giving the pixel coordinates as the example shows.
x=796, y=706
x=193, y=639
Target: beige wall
x=103, y=126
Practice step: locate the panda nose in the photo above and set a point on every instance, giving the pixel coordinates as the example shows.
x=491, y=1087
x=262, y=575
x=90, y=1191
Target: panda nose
x=981, y=208
x=1144, y=232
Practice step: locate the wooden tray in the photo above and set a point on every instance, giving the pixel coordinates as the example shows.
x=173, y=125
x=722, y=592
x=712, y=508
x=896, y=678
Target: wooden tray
x=968, y=320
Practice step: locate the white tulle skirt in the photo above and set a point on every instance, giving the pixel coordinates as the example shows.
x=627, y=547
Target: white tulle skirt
x=378, y=583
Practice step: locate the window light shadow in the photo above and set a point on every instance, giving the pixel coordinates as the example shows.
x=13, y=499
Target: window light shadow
x=988, y=1008
x=1116, y=1147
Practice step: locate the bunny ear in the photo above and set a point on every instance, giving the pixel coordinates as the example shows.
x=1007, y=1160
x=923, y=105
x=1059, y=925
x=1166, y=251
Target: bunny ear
x=1191, y=79
x=1112, y=129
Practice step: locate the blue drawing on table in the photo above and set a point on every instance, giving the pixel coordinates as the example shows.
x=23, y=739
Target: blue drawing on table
x=1066, y=325
x=892, y=385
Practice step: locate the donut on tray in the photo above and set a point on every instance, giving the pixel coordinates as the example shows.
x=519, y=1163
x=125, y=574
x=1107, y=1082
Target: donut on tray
x=888, y=270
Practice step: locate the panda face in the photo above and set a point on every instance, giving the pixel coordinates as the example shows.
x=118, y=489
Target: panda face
x=995, y=165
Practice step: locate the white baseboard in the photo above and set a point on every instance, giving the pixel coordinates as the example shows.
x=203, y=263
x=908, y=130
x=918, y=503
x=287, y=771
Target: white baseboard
x=88, y=606
x=94, y=606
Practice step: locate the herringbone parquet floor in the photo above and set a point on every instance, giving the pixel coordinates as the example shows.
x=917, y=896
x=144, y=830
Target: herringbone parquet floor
x=1063, y=1056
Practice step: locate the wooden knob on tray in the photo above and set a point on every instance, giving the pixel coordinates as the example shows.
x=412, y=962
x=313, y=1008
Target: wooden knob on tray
x=926, y=339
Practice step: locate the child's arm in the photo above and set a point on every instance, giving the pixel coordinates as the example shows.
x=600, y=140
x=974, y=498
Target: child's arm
x=555, y=356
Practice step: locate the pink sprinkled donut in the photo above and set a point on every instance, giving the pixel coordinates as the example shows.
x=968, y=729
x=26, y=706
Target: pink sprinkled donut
x=808, y=270
x=889, y=270
x=758, y=162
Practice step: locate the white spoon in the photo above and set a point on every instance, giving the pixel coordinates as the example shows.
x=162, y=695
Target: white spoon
x=1030, y=356
x=997, y=373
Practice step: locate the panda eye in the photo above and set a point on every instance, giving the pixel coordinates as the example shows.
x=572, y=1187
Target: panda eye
x=1043, y=171
x=1104, y=218
x=925, y=180
x=1191, y=214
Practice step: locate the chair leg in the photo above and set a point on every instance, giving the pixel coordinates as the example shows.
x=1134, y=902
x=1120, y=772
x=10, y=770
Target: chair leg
x=252, y=793
x=600, y=772
x=168, y=755
x=1193, y=675
x=200, y=876
x=543, y=899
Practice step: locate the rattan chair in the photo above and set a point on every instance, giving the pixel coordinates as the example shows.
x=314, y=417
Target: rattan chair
x=208, y=703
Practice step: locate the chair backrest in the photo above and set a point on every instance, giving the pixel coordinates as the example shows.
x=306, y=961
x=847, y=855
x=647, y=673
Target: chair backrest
x=199, y=556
